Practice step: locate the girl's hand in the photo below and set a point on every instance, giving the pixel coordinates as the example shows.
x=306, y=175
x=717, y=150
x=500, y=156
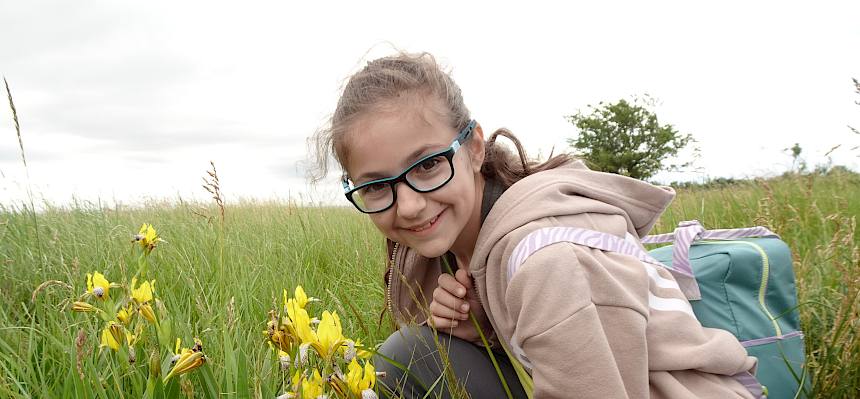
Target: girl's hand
x=453, y=298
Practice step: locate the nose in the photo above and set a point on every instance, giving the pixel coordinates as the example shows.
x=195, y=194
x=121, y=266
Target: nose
x=409, y=202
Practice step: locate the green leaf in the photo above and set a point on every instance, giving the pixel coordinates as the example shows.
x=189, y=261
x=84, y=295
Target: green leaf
x=154, y=388
x=243, y=389
x=207, y=380
x=230, y=367
x=171, y=389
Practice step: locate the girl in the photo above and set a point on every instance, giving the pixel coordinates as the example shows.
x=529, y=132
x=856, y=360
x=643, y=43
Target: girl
x=564, y=320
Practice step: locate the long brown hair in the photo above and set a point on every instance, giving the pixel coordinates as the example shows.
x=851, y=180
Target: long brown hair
x=387, y=78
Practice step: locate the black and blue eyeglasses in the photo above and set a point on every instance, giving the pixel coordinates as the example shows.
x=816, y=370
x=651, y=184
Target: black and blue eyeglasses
x=425, y=175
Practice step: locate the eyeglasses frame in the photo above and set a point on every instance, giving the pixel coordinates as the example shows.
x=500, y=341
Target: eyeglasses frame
x=448, y=153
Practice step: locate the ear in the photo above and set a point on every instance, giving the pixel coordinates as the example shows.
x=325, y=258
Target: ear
x=476, y=147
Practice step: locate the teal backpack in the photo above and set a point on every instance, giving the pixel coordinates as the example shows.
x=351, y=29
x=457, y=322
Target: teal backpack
x=742, y=281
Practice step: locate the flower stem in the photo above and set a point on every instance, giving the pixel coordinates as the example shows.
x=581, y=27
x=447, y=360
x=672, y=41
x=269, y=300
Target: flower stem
x=143, y=264
x=484, y=341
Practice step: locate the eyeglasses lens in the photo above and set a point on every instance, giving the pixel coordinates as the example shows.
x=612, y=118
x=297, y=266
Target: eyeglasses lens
x=428, y=175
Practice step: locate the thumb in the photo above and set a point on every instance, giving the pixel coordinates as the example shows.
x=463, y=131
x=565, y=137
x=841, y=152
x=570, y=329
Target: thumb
x=463, y=278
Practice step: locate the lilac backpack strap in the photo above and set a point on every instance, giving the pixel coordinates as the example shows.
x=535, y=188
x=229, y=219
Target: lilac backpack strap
x=751, y=384
x=687, y=233
x=597, y=240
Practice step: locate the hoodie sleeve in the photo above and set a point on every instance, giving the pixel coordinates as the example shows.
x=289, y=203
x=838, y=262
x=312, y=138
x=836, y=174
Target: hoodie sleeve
x=560, y=337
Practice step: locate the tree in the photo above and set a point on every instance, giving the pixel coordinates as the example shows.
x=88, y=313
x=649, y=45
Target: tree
x=797, y=163
x=626, y=138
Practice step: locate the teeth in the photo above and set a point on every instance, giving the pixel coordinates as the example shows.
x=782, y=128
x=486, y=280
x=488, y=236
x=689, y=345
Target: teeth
x=426, y=226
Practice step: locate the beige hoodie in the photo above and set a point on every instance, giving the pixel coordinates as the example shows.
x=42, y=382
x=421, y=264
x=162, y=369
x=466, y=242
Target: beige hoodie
x=585, y=323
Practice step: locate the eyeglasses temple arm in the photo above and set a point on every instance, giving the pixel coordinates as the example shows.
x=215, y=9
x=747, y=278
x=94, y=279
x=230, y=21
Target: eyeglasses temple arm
x=464, y=135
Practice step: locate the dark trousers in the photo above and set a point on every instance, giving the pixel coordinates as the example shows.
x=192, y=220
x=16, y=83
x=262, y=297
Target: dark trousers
x=469, y=370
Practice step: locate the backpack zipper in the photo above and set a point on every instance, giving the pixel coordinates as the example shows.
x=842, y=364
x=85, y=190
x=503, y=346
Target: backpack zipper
x=765, y=273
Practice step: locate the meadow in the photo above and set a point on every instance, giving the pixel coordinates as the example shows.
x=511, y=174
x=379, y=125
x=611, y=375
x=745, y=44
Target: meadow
x=221, y=275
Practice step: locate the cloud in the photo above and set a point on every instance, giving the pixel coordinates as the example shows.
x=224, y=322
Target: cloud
x=292, y=168
x=9, y=155
x=35, y=29
x=104, y=88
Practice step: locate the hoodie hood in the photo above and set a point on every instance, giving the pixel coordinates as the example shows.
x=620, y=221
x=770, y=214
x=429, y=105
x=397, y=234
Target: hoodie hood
x=571, y=190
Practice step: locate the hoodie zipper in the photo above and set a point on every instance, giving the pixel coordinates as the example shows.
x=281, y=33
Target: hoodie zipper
x=391, y=270
x=390, y=288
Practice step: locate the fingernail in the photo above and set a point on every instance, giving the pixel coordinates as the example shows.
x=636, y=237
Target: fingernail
x=465, y=307
x=461, y=292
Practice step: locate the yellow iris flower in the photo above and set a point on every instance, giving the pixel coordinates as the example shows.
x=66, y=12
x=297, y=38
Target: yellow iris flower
x=147, y=237
x=362, y=354
x=143, y=296
x=131, y=339
x=300, y=301
x=112, y=335
x=116, y=330
x=98, y=285
x=292, y=310
x=278, y=337
x=186, y=360
x=295, y=328
x=108, y=340
x=78, y=306
x=301, y=297
x=301, y=322
x=143, y=293
x=281, y=332
x=311, y=388
x=125, y=314
x=329, y=335
x=147, y=312
x=359, y=379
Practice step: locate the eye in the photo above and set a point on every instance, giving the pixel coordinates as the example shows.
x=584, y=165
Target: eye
x=374, y=188
x=429, y=164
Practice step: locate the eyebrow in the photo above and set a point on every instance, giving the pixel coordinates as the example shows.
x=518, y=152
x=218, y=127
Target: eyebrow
x=370, y=176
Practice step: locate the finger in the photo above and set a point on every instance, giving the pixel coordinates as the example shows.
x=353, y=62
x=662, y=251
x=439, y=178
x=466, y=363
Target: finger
x=441, y=323
x=463, y=278
x=450, y=284
x=437, y=309
x=448, y=300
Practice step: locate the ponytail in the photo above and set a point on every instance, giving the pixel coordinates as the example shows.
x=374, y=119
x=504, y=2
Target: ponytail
x=507, y=168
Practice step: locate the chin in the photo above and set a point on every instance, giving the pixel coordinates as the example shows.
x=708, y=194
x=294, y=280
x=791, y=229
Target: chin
x=431, y=250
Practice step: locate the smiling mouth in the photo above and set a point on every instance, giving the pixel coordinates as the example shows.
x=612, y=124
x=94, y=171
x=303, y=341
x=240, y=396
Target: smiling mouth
x=425, y=226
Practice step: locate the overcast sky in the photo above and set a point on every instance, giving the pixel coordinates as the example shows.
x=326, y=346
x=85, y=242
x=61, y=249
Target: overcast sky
x=128, y=100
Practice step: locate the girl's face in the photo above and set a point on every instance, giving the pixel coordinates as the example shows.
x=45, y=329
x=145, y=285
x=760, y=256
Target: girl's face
x=384, y=143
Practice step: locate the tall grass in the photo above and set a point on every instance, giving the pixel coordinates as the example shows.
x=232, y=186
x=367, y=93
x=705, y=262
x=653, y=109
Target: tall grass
x=333, y=253
x=817, y=216
x=221, y=279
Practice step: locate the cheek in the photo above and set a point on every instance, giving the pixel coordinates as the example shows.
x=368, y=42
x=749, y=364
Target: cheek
x=462, y=193
x=464, y=179
x=384, y=222
x=466, y=165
